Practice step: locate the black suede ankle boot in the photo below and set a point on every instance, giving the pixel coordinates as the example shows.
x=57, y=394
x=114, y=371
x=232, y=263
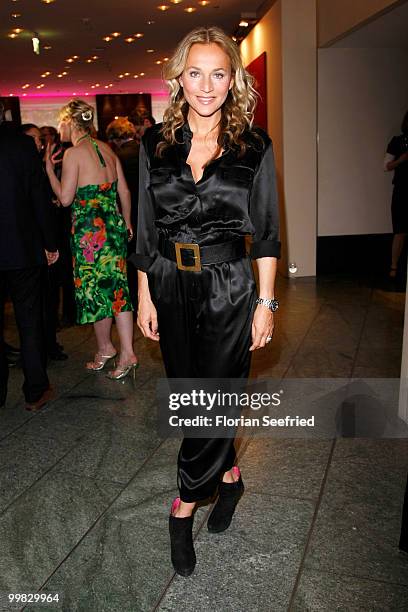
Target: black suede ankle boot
x=229, y=494
x=183, y=555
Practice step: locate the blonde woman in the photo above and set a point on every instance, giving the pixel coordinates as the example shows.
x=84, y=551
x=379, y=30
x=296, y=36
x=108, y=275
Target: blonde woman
x=91, y=179
x=207, y=179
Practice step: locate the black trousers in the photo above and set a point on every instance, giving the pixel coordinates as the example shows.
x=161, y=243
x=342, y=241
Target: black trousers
x=25, y=289
x=205, y=321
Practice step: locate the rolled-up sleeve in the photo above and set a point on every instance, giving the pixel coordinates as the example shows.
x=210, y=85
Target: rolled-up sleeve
x=263, y=209
x=146, y=235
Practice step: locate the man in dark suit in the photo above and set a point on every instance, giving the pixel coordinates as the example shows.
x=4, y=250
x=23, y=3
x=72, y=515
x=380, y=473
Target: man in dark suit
x=27, y=243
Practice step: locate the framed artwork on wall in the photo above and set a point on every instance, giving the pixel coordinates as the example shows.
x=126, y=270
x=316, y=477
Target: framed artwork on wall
x=132, y=106
x=11, y=106
x=257, y=68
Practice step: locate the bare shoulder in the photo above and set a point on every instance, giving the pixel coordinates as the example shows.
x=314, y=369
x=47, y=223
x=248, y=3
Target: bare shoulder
x=71, y=154
x=105, y=149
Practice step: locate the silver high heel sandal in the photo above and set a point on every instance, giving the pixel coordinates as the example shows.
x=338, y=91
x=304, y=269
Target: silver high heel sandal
x=123, y=371
x=100, y=362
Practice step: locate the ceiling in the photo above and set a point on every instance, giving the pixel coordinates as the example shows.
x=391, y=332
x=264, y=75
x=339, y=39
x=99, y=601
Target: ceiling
x=390, y=30
x=74, y=28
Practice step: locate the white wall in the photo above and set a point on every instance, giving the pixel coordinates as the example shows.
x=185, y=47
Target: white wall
x=44, y=110
x=362, y=97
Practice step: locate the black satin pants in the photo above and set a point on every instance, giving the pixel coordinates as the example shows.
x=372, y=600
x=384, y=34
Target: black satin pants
x=205, y=321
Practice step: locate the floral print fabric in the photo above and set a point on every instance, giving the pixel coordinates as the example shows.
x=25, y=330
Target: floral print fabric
x=99, y=248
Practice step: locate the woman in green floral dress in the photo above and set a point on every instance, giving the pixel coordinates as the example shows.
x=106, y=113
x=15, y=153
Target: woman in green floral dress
x=92, y=179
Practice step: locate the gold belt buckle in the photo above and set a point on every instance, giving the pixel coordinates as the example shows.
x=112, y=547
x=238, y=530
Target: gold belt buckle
x=197, y=260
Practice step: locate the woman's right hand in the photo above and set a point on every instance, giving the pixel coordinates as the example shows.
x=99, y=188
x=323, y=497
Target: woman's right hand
x=147, y=318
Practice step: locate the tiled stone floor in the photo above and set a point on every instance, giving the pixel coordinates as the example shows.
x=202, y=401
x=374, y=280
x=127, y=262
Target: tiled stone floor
x=86, y=484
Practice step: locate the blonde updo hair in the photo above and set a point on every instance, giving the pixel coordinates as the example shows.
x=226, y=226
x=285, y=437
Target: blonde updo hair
x=80, y=113
x=237, y=112
x=120, y=129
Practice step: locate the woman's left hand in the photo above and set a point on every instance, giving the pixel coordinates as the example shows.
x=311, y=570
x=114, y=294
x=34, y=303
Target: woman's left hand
x=262, y=327
x=52, y=159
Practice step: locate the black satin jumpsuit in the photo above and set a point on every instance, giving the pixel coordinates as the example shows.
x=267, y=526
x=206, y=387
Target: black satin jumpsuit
x=205, y=317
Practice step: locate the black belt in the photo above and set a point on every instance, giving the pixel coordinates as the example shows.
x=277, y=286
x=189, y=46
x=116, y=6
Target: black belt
x=191, y=257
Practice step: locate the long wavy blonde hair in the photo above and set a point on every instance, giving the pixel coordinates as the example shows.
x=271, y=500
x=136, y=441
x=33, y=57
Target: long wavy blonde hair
x=237, y=112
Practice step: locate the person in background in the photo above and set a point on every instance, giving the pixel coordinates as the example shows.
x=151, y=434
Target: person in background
x=122, y=133
x=29, y=129
x=63, y=273
x=50, y=278
x=27, y=244
x=92, y=178
x=396, y=160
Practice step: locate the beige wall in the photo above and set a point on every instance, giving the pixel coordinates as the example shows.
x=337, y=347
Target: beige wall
x=336, y=17
x=288, y=35
x=266, y=36
x=299, y=131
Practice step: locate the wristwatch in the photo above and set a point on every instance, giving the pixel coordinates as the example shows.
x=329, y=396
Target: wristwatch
x=270, y=303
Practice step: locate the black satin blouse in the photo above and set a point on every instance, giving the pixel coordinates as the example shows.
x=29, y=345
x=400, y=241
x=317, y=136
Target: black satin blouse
x=236, y=196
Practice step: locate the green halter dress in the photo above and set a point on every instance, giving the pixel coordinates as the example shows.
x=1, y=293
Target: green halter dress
x=99, y=249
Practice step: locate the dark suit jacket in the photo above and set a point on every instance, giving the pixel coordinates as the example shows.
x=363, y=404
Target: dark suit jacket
x=27, y=218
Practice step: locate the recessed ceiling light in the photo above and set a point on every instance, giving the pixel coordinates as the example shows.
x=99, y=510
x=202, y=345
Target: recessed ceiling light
x=25, y=86
x=16, y=15
x=190, y=9
x=138, y=35
x=48, y=1
x=89, y=60
x=95, y=57
x=115, y=34
x=163, y=7
x=204, y=2
x=150, y=22
x=18, y=30
x=129, y=40
x=110, y=84
x=74, y=93
x=40, y=86
x=106, y=86
x=69, y=60
x=141, y=73
x=149, y=50
x=135, y=76
x=158, y=61
x=120, y=76
x=75, y=57
x=165, y=59
x=141, y=92
x=107, y=38
x=176, y=1
x=64, y=73
x=24, y=94
x=243, y=23
x=127, y=73
x=92, y=86
x=12, y=35
x=47, y=47
x=45, y=74
x=97, y=85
